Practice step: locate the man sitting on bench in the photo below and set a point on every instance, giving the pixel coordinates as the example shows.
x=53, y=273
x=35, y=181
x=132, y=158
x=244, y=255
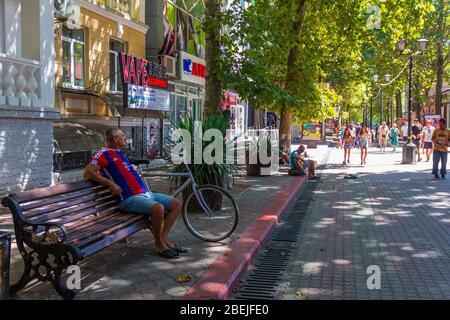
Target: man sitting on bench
x=111, y=168
x=299, y=164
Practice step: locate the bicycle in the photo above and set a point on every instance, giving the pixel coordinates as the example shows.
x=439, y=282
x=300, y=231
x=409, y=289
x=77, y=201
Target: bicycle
x=206, y=210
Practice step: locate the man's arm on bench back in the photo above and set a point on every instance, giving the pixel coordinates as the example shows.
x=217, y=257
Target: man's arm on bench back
x=91, y=173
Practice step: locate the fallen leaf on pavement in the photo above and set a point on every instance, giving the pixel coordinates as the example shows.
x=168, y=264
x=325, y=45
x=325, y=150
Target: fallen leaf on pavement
x=283, y=253
x=292, y=245
x=299, y=293
x=183, y=278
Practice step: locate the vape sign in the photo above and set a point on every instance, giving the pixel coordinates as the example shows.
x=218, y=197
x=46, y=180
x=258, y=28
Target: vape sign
x=144, y=83
x=142, y=72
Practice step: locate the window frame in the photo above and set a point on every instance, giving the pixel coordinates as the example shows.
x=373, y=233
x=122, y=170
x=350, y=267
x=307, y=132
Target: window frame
x=72, y=41
x=116, y=54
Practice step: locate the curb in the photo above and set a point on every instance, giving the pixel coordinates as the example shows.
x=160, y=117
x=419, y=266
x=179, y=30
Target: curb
x=219, y=279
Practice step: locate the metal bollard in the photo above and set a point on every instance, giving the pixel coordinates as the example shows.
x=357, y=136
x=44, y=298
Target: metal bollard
x=5, y=252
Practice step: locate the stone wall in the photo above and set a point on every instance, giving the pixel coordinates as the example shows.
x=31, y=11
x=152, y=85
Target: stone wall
x=26, y=154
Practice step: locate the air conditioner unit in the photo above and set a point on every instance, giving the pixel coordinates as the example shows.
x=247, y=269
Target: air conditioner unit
x=171, y=64
x=63, y=9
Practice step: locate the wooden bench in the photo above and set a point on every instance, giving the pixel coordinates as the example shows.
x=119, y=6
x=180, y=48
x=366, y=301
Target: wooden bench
x=60, y=226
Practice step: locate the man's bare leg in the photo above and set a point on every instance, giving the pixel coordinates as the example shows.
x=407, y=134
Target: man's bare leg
x=157, y=212
x=174, y=210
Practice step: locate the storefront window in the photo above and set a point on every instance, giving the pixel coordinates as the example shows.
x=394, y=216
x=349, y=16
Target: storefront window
x=181, y=106
x=172, y=116
x=193, y=90
x=181, y=90
x=73, y=57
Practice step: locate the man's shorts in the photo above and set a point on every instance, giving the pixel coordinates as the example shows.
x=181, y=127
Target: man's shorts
x=306, y=164
x=428, y=145
x=417, y=142
x=142, y=203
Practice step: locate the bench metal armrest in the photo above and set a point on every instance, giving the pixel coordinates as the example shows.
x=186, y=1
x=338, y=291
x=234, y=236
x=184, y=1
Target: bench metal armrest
x=47, y=237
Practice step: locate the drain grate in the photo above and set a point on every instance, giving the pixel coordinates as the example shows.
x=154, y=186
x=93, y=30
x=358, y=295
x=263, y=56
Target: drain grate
x=263, y=281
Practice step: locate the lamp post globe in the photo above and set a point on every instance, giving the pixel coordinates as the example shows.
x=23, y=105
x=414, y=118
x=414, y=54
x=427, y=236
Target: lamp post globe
x=422, y=44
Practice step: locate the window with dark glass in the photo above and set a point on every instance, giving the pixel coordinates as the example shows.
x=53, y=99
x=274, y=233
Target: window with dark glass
x=73, y=56
x=115, y=47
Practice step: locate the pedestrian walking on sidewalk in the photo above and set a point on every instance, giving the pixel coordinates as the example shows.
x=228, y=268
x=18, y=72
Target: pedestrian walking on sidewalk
x=348, y=144
x=404, y=131
x=363, y=142
x=383, y=136
x=393, y=136
x=427, y=139
x=416, y=137
x=441, y=139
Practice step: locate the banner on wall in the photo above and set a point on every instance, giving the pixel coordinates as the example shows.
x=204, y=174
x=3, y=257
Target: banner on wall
x=147, y=98
x=434, y=119
x=311, y=131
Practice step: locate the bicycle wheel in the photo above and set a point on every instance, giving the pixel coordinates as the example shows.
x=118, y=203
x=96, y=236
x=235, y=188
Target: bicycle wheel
x=219, y=223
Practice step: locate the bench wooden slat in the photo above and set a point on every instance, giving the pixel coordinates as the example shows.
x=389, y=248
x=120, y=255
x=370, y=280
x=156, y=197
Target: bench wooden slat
x=42, y=193
x=108, y=222
x=42, y=203
x=109, y=240
x=87, y=222
x=103, y=209
x=74, y=209
x=50, y=209
x=110, y=231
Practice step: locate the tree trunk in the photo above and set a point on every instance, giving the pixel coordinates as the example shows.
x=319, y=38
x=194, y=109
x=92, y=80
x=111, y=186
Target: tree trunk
x=398, y=104
x=213, y=84
x=339, y=117
x=286, y=114
x=439, y=78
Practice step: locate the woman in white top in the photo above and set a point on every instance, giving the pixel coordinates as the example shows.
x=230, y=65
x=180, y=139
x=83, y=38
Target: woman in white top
x=383, y=136
x=426, y=139
x=363, y=142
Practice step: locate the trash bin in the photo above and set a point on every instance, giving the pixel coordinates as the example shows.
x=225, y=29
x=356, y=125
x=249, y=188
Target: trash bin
x=5, y=251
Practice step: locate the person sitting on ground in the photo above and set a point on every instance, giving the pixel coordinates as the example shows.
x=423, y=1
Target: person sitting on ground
x=300, y=164
x=111, y=168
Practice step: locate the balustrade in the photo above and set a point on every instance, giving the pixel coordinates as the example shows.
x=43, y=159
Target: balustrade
x=18, y=82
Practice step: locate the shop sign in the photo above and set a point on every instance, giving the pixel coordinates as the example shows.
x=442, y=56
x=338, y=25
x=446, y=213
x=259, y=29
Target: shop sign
x=312, y=131
x=139, y=97
x=193, y=69
x=144, y=82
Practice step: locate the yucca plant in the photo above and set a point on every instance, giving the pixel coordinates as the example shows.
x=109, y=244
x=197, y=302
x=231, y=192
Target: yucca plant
x=215, y=173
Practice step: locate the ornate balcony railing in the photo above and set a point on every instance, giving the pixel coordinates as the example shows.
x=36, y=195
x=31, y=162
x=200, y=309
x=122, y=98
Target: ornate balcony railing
x=20, y=82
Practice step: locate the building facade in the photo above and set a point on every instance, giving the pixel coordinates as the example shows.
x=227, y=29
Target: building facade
x=27, y=81
x=89, y=89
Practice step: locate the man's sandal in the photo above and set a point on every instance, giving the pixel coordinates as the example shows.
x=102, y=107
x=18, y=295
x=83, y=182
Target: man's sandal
x=179, y=249
x=169, y=254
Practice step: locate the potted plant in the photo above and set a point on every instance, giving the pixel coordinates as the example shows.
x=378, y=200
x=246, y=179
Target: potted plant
x=215, y=173
x=254, y=151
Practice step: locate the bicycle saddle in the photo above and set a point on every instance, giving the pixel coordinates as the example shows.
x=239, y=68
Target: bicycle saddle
x=138, y=161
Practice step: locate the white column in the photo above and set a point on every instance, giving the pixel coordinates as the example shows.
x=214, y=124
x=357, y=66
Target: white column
x=47, y=54
x=2, y=98
x=13, y=29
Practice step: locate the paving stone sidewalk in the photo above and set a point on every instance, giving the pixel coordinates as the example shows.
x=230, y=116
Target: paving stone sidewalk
x=393, y=216
x=133, y=271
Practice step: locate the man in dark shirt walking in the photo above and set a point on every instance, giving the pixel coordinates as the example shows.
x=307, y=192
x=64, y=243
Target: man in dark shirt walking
x=416, y=131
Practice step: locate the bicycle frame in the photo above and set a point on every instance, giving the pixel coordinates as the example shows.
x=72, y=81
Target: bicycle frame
x=189, y=181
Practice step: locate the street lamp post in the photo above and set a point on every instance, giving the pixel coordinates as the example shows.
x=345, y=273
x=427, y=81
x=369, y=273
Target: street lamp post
x=371, y=102
x=409, y=150
x=375, y=79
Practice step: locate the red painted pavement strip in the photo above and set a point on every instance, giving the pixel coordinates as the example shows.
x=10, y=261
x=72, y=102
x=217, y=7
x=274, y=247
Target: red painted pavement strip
x=221, y=276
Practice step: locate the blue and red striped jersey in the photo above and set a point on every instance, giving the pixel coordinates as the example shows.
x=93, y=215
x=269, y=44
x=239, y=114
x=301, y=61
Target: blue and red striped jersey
x=113, y=165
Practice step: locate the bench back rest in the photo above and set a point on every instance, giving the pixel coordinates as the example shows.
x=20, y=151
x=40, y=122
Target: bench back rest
x=66, y=203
